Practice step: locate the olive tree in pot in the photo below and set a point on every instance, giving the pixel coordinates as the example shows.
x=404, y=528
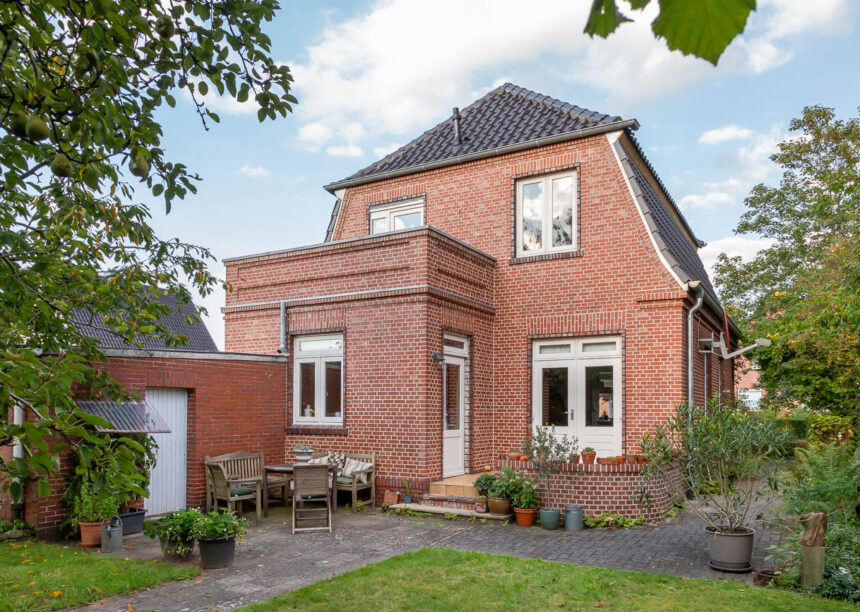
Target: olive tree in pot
x=727, y=460
x=548, y=452
x=217, y=534
x=175, y=532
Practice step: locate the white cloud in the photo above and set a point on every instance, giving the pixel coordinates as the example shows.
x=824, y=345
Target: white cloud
x=349, y=150
x=400, y=66
x=725, y=133
x=254, y=171
x=704, y=200
x=732, y=246
x=384, y=150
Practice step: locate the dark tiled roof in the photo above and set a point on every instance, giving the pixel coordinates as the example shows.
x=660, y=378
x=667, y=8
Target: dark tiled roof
x=508, y=115
x=673, y=242
x=197, y=334
x=333, y=221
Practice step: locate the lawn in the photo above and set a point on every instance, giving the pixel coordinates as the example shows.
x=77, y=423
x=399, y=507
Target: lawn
x=41, y=576
x=444, y=579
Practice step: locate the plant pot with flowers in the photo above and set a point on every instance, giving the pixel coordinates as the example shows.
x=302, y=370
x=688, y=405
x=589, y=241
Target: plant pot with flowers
x=728, y=460
x=588, y=455
x=217, y=535
x=525, y=499
x=89, y=509
x=175, y=532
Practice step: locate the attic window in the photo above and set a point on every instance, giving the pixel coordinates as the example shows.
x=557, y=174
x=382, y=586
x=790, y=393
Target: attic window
x=397, y=216
x=546, y=214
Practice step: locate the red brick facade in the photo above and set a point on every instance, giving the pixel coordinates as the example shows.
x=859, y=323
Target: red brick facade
x=235, y=403
x=394, y=295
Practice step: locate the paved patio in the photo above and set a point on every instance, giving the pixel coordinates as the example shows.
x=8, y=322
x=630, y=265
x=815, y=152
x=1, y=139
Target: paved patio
x=272, y=561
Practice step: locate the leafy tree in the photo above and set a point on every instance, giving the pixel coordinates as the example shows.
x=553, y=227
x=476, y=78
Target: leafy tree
x=703, y=28
x=803, y=292
x=80, y=84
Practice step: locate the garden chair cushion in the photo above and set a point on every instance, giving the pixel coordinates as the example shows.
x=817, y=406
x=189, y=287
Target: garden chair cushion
x=241, y=490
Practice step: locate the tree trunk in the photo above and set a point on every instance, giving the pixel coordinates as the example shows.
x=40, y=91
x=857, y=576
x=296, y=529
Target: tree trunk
x=814, y=527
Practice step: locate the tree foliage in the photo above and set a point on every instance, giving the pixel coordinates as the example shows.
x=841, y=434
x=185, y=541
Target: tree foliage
x=803, y=291
x=703, y=28
x=80, y=84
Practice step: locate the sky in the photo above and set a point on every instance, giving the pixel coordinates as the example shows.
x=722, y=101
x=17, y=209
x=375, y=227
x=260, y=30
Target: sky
x=371, y=76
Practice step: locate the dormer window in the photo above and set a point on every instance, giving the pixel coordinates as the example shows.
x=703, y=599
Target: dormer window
x=546, y=214
x=397, y=216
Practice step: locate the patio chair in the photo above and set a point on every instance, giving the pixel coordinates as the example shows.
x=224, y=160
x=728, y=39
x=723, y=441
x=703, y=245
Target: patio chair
x=247, y=466
x=353, y=483
x=311, y=499
x=233, y=489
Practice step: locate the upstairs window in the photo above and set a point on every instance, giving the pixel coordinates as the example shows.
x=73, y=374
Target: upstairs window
x=397, y=216
x=546, y=214
x=318, y=380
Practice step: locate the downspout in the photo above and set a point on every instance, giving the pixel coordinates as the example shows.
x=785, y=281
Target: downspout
x=699, y=294
x=283, y=347
x=18, y=453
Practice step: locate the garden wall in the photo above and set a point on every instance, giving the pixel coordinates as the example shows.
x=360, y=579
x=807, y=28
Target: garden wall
x=606, y=488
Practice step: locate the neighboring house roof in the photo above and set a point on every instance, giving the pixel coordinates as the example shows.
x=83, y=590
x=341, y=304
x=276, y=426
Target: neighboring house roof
x=175, y=320
x=507, y=118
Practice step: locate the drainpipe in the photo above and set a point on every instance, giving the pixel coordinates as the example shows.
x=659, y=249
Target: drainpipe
x=18, y=453
x=699, y=294
x=283, y=347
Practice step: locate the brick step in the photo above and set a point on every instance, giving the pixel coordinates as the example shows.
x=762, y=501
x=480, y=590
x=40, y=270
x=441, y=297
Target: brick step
x=448, y=501
x=453, y=489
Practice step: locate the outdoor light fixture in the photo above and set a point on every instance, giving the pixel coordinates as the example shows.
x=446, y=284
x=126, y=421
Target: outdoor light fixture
x=439, y=360
x=726, y=355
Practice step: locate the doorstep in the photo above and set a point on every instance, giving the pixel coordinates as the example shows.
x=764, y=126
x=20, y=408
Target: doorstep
x=458, y=511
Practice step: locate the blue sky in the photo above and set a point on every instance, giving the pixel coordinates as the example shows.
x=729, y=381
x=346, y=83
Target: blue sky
x=373, y=75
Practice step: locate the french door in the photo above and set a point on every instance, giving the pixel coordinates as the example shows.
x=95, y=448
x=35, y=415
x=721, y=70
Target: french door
x=456, y=351
x=576, y=388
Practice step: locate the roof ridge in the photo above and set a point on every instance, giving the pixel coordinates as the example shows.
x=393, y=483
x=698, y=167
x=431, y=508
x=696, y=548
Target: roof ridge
x=555, y=103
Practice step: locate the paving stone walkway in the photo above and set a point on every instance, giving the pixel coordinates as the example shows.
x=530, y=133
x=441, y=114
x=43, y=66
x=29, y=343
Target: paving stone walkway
x=273, y=561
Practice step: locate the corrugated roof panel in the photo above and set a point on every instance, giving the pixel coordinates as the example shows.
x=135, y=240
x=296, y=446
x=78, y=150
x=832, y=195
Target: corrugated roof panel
x=126, y=417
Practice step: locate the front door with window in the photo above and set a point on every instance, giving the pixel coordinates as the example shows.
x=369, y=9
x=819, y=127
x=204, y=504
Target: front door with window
x=454, y=409
x=577, y=389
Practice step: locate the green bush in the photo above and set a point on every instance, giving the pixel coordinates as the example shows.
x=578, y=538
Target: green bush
x=825, y=479
x=797, y=424
x=219, y=524
x=611, y=521
x=485, y=482
x=175, y=527
x=524, y=492
x=827, y=428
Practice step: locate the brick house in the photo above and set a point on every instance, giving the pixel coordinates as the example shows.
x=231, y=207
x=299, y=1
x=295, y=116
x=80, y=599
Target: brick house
x=520, y=263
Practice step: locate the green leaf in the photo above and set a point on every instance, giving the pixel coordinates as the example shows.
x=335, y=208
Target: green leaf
x=703, y=28
x=604, y=18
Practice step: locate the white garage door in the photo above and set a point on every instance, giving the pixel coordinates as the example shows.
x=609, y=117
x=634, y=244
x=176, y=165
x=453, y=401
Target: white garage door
x=167, y=481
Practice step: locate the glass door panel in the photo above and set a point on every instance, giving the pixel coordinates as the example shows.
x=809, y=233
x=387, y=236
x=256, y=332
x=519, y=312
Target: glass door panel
x=599, y=400
x=555, y=392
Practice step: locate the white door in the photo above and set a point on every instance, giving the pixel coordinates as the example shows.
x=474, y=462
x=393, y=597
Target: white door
x=167, y=481
x=598, y=413
x=453, y=426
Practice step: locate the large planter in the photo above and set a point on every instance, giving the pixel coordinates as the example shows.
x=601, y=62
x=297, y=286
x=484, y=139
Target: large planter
x=730, y=552
x=499, y=505
x=525, y=516
x=91, y=534
x=303, y=454
x=177, y=551
x=549, y=518
x=132, y=521
x=217, y=553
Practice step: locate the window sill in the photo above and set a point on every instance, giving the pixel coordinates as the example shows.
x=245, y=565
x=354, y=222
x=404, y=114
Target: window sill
x=547, y=257
x=318, y=430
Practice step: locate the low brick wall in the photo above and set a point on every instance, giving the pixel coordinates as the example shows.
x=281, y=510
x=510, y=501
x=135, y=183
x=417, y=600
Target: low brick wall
x=605, y=488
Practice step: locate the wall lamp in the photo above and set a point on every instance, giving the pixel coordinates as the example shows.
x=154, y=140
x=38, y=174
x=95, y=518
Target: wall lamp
x=439, y=360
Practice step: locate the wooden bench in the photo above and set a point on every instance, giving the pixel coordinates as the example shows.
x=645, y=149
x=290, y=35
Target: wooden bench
x=352, y=483
x=235, y=477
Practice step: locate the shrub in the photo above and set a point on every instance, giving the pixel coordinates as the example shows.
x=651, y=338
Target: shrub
x=827, y=428
x=826, y=479
x=175, y=527
x=218, y=525
x=485, y=482
x=505, y=484
x=547, y=451
x=611, y=521
x=524, y=493
x=89, y=506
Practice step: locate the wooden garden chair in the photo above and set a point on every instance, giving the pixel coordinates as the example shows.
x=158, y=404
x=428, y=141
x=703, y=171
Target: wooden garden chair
x=244, y=466
x=233, y=489
x=353, y=483
x=311, y=499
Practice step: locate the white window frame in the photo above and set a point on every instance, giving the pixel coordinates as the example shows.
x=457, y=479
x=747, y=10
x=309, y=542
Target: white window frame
x=395, y=209
x=319, y=358
x=547, y=247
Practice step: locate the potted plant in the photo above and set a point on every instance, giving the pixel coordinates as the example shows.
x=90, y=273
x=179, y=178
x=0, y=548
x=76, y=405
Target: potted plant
x=727, y=459
x=131, y=510
x=484, y=483
x=89, y=509
x=175, y=533
x=548, y=453
x=500, y=490
x=524, y=499
x=588, y=455
x=303, y=452
x=481, y=504
x=630, y=459
x=407, y=497
x=606, y=461
x=574, y=458
x=217, y=534
x=514, y=454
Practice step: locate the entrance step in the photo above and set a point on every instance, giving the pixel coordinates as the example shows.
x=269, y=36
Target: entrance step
x=456, y=486
x=442, y=510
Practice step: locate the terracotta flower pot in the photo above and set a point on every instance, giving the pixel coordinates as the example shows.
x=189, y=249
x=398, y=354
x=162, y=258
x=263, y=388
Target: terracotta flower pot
x=514, y=455
x=640, y=459
x=525, y=516
x=631, y=459
x=524, y=457
x=91, y=534
x=605, y=461
x=574, y=459
x=618, y=460
x=588, y=457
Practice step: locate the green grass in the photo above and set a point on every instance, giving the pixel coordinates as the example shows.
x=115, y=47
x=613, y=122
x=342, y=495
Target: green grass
x=443, y=579
x=42, y=576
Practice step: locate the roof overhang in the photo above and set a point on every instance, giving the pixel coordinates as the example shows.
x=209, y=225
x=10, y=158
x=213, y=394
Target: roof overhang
x=125, y=417
x=632, y=124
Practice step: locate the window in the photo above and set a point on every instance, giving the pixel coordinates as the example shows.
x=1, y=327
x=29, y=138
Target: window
x=546, y=214
x=397, y=216
x=318, y=380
